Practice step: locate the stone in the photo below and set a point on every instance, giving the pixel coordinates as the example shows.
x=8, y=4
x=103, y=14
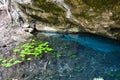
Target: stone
x=29, y=30
x=26, y=25
x=17, y=38
x=41, y=27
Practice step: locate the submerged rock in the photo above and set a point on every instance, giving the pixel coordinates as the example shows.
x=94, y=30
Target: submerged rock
x=74, y=16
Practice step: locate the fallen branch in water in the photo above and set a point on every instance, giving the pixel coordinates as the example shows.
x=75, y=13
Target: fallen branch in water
x=45, y=67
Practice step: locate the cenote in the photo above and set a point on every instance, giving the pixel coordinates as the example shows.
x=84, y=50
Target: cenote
x=82, y=57
x=34, y=45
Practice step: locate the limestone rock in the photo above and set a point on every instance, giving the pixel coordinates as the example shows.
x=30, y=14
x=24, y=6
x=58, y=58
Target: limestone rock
x=74, y=16
x=25, y=25
x=41, y=27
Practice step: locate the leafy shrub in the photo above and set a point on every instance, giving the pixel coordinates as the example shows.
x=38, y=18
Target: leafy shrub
x=26, y=52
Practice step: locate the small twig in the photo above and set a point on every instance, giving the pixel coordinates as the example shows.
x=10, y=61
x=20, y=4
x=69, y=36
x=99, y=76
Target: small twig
x=45, y=67
x=8, y=7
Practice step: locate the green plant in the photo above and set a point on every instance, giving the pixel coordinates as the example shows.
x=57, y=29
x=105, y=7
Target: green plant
x=9, y=62
x=65, y=46
x=73, y=56
x=114, y=74
x=26, y=52
x=78, y=69
x=56, y=54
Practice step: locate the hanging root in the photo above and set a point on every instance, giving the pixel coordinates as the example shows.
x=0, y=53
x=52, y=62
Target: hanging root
x=15, y=15
x=6, y=6
x=2, y=5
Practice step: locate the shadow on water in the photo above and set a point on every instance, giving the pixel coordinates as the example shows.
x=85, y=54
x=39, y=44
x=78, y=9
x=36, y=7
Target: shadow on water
x=93, y=58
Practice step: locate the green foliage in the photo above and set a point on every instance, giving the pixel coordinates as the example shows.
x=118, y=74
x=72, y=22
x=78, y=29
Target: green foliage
x=26, y=52
x=56, y=54
x=78, y=69
x=73, y=56
x=65, y=46
x=9, y=62
x=114, y=74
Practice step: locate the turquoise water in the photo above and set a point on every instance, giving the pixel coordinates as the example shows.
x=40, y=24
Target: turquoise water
x=95, y=42
x=86, y=57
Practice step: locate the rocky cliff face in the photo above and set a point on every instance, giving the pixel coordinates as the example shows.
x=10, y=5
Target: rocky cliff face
x=74, y=16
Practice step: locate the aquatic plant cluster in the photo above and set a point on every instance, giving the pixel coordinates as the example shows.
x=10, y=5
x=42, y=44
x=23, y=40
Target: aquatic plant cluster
x=26, y=52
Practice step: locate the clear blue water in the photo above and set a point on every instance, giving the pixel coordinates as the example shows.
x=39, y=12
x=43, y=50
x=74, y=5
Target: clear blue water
x=86, y=57
x=95, y=42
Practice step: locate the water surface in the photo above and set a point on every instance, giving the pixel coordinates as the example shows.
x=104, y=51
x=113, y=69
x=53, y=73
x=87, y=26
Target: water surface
x=86, y=57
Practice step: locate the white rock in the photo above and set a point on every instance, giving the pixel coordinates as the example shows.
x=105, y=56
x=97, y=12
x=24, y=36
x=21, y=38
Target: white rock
x=25, y=25
x=29, y=30
x=42, y=27
x=98, y=79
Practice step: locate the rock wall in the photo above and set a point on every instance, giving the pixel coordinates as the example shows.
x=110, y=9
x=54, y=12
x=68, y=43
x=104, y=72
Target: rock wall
x=95, y=16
